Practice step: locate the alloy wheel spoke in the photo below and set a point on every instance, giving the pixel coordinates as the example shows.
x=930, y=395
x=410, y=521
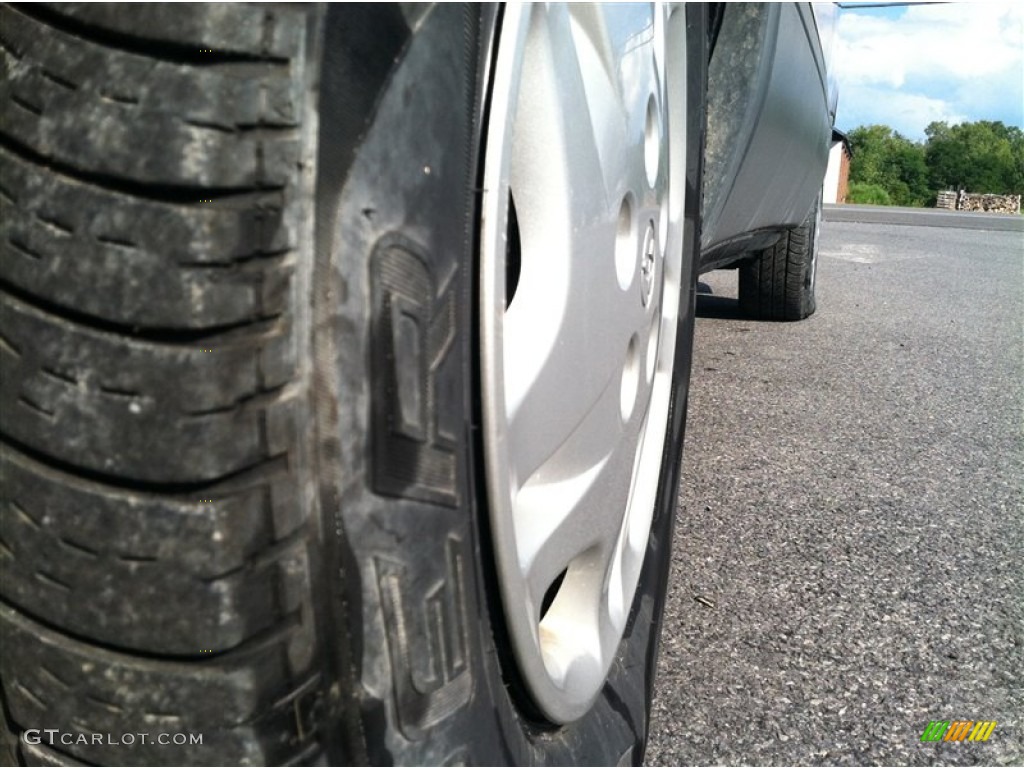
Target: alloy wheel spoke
x=559, y=519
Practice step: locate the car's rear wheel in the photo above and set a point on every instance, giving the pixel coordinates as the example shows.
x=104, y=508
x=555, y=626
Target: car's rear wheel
x=778, y=283
x=272, y=279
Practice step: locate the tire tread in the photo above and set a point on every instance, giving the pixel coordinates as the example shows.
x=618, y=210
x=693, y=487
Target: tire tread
x=155, y=534
x=84, y=105
x=772, y=283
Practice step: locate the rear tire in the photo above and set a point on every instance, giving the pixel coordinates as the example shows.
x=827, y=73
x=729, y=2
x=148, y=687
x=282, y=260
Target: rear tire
x=778, y=283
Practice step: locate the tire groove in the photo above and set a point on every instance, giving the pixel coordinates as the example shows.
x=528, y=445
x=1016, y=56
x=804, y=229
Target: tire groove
x=784, y=309
x=258, y=259
x=52, y=581
x=170, y=337
x=149, y=48
x=21, y=512
x=253, y=645
x=46, y=672
x=26, y=105
x=54, y=224
x=103, y=703
x=29, y=694
x=8, y=346
x=260, y=400
x=116, y=98
x=58, y=80
x=247, y=477
x=74, y=546
x=272, y=553
x=35, y=407
x=7, y=47
x=23, y=249
x=48, y=755
x=118, y=242
x=157, y=193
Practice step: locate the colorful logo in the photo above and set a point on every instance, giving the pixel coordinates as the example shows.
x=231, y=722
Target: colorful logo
x=958, y=730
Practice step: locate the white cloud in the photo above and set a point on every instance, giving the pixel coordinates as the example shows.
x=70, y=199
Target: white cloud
x=907, y=113
x=957, y=61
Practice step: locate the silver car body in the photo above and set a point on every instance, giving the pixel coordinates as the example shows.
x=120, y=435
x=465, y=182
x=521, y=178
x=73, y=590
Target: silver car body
x=770, y=114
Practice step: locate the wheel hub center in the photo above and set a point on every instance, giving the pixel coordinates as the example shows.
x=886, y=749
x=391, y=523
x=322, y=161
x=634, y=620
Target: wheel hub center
x=647, y=264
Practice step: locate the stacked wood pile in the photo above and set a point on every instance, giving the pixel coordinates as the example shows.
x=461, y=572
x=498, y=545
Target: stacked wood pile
x=990, y=203
x=967, y=201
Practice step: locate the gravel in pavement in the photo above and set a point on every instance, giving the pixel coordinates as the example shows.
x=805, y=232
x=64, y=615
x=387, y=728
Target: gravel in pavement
x=849, y=554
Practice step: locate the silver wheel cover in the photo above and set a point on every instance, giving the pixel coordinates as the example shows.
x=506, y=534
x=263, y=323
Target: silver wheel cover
x=577, y=370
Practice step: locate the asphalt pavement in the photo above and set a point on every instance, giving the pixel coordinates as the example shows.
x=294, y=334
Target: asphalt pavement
x=923, y=217
x=849, y=553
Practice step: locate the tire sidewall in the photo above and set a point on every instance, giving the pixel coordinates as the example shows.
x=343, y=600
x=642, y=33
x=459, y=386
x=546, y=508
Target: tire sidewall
x=410, y=609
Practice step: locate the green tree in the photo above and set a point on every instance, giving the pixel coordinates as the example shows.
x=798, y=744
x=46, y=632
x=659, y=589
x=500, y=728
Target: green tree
x=884, y=158
x=867, y=194
x=984, y=156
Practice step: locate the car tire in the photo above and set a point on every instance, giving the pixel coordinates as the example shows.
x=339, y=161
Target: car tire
x=779, y=282
x=242, y=471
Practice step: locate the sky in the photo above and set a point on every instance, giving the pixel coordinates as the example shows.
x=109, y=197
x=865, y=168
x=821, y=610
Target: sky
x=907, y=66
